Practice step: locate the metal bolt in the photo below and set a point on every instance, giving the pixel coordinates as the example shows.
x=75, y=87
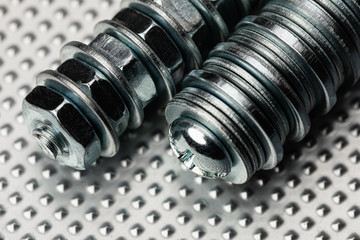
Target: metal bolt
x=256, y=90
x=202, y=152
x=138, y=57
x=50, y=142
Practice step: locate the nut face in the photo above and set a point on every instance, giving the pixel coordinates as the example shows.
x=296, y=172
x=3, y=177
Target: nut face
x=191, y=20
x=188, y=18
x=230, y=11
x=77, y=71
x=60, y=129
x=93, y=83
x=114, y=75
x=101, y=123
x=157, y=39
x=133, y=20
x=185, y=13
x=125, y=60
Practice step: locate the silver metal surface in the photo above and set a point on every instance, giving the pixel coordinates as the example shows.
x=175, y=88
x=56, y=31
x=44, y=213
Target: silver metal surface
x=161, y=74
x=123, y=58
x=213, y=164
x=62, y=146
x=143, y=193
x=137, y=58
x=268, y=48
x=179, y=31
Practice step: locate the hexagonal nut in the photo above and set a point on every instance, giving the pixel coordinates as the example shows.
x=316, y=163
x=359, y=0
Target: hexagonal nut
x=60, y=129
x=189, y=17
x=230, y=10
x=155, y=37
x=99, y=89
x=184, y=12
x=121, y=56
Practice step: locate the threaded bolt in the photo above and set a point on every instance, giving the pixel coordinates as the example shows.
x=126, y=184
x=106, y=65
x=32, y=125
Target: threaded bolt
x=138, y=57
x=199, y=149
x=256, y=90
x=51, y=142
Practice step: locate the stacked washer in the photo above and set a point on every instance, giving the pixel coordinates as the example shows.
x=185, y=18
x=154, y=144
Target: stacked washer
x=138, y=56
x=257, y=89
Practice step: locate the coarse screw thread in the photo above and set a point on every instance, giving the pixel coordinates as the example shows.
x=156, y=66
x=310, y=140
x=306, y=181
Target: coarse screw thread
x=138, y=57
x=257, y=89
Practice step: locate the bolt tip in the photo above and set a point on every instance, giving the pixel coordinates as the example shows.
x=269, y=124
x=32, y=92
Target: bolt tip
x=49, y=141
x=199, y=149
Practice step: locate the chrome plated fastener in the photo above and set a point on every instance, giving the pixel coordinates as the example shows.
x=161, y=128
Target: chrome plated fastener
x=78, y=112
x=256, y=90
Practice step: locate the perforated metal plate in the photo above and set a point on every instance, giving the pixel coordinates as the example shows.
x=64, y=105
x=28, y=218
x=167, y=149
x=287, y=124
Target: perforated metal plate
x=143, y=193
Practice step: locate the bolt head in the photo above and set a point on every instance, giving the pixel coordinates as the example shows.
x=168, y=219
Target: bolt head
x=199, y=149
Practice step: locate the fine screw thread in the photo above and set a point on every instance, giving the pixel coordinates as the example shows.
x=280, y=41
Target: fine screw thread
x=51, y=142
x=256, y=90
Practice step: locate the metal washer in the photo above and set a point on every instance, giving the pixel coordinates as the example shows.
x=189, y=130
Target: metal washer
x=143, y=193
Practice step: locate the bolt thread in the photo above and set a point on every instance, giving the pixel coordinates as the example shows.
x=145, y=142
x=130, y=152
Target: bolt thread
x=49, y=141
x=138, y=56
x=257, y=89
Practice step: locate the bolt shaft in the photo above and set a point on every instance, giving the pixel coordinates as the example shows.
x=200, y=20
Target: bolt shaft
x=50, y=142
x=137, y=57
x=256, y=90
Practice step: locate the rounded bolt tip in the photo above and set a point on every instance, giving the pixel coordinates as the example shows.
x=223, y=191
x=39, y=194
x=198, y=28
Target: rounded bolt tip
x=199, y=149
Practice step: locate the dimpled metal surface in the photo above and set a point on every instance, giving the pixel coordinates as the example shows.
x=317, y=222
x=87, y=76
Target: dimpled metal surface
x=143, y=193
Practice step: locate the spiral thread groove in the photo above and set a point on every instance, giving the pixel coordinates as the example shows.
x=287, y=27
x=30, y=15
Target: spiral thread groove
x=257, y=89
x=137, y=57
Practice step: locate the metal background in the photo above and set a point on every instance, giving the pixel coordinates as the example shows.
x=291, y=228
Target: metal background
x=143, y=193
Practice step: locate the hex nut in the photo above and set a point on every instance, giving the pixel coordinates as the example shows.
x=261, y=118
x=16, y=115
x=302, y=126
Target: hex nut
x=156, y=38
x=60, y=129
x=191, y=20
x=230, y=10
x=124, y=59
x=185, y=12
x=99, y=89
